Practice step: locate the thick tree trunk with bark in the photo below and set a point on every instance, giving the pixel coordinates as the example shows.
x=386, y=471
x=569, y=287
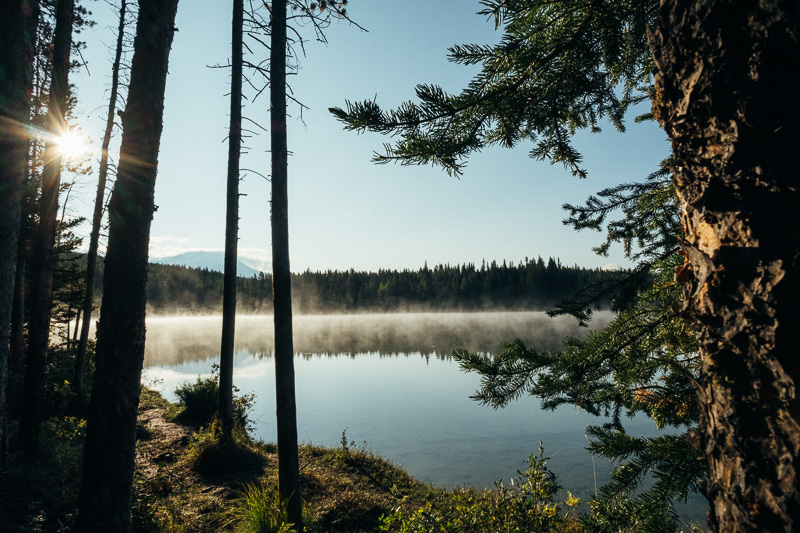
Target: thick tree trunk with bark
x=97, y=217
x=45, y=234
x=727, y=86
x=105, y=497
x=231, y=227
x=288, y=465
x=17, y=23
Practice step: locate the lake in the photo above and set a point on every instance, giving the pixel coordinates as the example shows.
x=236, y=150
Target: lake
x=389, y=381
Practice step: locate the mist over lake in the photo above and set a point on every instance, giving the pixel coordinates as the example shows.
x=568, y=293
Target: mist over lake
x=390, y=382
x=172, y=340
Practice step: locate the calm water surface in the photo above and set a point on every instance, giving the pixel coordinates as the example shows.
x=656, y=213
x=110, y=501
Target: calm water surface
x=389, y=381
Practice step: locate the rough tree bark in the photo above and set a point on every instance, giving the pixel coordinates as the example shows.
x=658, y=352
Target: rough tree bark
x=97, y=217
x=727, y=86
x=288, y=465
x=231, y=227
x=16, y=361
x=45, y=236
x=105, y=497
x=17, y=22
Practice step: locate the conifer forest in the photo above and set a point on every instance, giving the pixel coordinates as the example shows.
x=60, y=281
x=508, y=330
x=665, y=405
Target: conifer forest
x=683, y=314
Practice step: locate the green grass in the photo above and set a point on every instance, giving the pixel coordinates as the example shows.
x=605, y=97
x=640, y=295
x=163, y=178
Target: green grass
x=264, y=512
x=191, y=480
x=529, y=504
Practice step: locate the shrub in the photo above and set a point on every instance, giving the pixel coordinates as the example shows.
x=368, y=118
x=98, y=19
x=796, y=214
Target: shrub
x=198, y=401
x=527, y=505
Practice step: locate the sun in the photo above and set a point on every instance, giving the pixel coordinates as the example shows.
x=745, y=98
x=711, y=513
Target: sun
x=72, y=145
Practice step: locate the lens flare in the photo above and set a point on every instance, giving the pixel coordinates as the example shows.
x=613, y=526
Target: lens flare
x=72, y=145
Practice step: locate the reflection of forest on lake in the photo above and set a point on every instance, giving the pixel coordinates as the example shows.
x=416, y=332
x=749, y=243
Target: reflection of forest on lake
x=389, y=380
x=181, y=339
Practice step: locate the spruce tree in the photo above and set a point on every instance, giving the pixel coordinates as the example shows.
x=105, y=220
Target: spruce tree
x=644, y=362
x=560, y=67
x=726, y=79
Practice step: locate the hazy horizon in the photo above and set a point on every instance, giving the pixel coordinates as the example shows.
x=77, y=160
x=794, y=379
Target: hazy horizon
x=176, y=339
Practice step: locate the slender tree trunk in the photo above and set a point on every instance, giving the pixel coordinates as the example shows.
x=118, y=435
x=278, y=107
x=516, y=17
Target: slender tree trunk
x=17, y=361
x=16, y=373
x=231, y=227
x=97, y=217
x=67, y=339
x=727, y=91
x=17, y=42
x=288, y=465
x=43, y=264
x=78, y=323
x=105, y=497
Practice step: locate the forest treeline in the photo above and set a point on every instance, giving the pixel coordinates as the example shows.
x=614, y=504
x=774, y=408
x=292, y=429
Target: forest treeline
x=529, y=284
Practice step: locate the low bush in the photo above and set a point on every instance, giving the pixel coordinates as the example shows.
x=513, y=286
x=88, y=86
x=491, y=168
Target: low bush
x=527, y=505
x=198, y=402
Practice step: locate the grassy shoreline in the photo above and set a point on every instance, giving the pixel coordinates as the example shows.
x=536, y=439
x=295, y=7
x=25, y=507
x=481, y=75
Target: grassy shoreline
x=185, y=481
x=183, y=487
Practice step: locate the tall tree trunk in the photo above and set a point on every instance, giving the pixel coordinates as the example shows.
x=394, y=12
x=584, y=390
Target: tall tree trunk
x=288, y=466
x=78, y=323
x=97, y=217
x=17, y=42
x=16, y=373
x=231, y=227
x=727, y=91
x=16, y=360
x=105, y=497
x=45, y=237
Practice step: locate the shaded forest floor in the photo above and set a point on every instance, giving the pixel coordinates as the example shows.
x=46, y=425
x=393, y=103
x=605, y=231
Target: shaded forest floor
x=180, y=487
x=186, y=481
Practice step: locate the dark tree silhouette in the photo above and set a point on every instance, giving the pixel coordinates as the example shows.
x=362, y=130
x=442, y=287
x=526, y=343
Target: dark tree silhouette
x=97, y=217
x=288, y=465
x=105, y=497
x=44, y=240
x=231, y=226
x=18, y=20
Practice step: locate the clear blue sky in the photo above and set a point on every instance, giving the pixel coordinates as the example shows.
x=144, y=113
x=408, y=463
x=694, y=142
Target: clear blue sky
x=346, y=212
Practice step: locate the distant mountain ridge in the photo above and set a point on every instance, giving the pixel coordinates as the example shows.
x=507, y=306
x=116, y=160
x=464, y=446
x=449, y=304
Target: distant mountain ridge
x=210, y=260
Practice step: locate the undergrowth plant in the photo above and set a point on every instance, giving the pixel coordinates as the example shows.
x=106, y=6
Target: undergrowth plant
x=645, y=361
x=264, y=512
x=528, y=504
x=198, y=401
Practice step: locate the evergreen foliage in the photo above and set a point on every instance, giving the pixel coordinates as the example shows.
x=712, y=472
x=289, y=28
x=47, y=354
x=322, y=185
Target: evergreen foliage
x=529, y=284
x=644, y=362
x=68, y=277
x=560, y=66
